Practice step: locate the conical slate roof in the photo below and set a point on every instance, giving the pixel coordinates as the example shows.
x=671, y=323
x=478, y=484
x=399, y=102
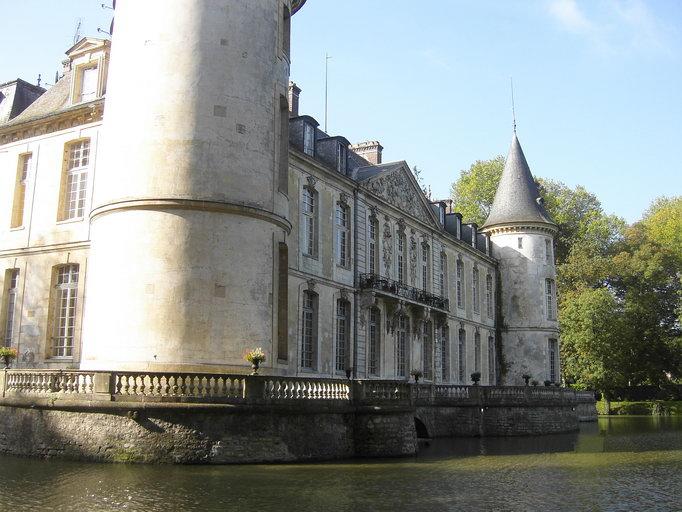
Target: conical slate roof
x=517, y=199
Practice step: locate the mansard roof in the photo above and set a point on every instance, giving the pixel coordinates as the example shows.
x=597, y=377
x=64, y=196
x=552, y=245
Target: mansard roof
x=517, y=200
x=54, y=100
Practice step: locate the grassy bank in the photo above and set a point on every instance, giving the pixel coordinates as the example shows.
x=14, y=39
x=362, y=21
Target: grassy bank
x=649, y=407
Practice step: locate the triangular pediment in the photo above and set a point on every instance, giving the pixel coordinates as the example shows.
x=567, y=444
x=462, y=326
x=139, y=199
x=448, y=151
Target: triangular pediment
x=395, y=184
x=85, y=45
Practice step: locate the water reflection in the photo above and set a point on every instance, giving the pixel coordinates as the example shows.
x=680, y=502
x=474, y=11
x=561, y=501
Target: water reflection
x=618, y=464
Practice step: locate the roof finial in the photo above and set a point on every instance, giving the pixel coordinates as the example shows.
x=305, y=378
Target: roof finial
x=511, y=82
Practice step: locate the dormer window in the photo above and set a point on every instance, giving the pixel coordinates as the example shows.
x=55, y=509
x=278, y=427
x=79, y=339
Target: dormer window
x=309, y=139
x=88, y=62
x=341, y=158
x=88, y=83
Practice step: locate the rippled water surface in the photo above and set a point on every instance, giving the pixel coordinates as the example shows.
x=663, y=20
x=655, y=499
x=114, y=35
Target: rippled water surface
x=624, y=463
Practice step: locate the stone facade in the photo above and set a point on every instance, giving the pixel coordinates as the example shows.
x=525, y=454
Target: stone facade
x=174, y=231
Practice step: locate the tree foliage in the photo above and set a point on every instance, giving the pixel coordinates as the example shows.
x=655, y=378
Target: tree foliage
x=620, y=287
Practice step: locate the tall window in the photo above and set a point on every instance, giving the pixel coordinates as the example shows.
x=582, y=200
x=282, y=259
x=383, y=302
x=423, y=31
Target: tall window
x=75, y=180
x=489, y=295
x=552, y=353
x=491, y=360
x=308, y=139
x=342, y=333
x=425, y=267
x=401, y=346
x=308, y=221
x=402, y=258
x=309, y=331
x=549, y=292
x=460, y=289
x=548, y=250
x=477, y=352
x=283, y=181
x=23, y=169
x=342, y=235
x=372, y=250
x=475, y=291
x=445, y=354
x=427, y=349
x=12, y=284
x=442, y=278
x=373, y=341
x=282, y=301
x=341, y=157
x=64, y=310
x=88, y=77
x=286, y=32
x=461, y=355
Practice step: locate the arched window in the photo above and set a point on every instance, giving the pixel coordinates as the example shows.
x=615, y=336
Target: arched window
x=460, y=286
x=309, y=222
x=401, y=346
x=427, y=351
x=373, y=341
x=309, y=331
x=342, y=334
x=372, y=246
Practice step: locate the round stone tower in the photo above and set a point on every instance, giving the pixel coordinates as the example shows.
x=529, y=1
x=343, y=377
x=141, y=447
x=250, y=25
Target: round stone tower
x=190, y=199
x=522, y=236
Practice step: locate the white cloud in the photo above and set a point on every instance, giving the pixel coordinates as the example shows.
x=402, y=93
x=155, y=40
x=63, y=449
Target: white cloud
x=569, y=15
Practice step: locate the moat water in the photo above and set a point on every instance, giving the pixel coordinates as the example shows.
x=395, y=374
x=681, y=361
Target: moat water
x=617, y=464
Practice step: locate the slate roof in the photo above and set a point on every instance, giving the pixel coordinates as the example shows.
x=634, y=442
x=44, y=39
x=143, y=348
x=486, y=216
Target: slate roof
x=517, y=197
x=370, y=171
x=54, y=100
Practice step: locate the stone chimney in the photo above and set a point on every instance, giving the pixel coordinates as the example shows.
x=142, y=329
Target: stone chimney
x=369, y=150
x=292, y=96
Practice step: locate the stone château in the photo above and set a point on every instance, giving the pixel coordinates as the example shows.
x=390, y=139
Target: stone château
x=175, y=228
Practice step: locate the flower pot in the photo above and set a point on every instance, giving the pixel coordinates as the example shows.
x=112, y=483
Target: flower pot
x=255, y=366
x=7, y=360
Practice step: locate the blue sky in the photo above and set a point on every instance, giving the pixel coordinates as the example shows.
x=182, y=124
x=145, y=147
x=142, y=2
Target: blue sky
x=598, y=84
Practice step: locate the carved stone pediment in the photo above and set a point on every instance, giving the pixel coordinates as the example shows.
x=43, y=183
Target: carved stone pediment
x=398, y=189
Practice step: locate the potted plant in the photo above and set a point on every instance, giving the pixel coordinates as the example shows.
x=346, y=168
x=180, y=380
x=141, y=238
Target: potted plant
x=526, y=378
x=8, y=354
x=534, y=382
x=548, y=383
x=475, y=378
x=255, y=357
x=416, y=373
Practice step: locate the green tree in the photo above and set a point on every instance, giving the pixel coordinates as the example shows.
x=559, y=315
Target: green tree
x=474, y=190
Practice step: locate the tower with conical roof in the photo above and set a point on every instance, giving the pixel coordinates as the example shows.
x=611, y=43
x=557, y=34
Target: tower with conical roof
x=522, y=236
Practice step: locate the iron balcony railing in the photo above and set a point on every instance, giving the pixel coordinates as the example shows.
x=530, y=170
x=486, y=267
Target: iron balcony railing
x=384, y=284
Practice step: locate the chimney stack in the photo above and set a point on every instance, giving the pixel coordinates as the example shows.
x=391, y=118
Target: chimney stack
x=369, y=150
x=293, y=94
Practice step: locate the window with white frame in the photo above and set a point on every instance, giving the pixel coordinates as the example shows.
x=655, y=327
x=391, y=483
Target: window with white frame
x=373, y=341
x=65, y=299
x=11, y=287
x=372, y=246
x=475, y=295
x=445, y=354
x=309, y=331
x=88, y=77
x=342, y=333
x=308, y=139
x=491, y=360
x=477, y=351
x=461, y=355
x=427, y=351
x=23, y=170
x=75, y=180
x=342, y=235
x=442, y=279
x=489, y=295
x=552, y=353
x=401, y=346
x=549, y=292
x=460, y=288
x=309, y=221
x=425, y=267
x=402, y=257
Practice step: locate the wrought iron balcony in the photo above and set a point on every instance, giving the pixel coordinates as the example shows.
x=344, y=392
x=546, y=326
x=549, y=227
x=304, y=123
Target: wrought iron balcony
x=384, y=284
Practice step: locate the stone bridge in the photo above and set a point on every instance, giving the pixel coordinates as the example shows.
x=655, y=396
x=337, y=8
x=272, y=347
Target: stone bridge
x=227, y=418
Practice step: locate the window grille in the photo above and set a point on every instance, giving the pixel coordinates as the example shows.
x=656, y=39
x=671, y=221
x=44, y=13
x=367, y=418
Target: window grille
x=12, y=280
x=309, y=330
x=374, y=333
x=78, y=159
x=64, y=312
x=342, y=328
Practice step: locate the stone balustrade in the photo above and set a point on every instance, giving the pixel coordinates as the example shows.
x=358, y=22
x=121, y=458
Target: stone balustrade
x=128, y=386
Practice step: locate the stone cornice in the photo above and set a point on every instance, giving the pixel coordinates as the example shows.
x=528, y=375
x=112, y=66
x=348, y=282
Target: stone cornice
x=521, y=227
x=64, y=119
